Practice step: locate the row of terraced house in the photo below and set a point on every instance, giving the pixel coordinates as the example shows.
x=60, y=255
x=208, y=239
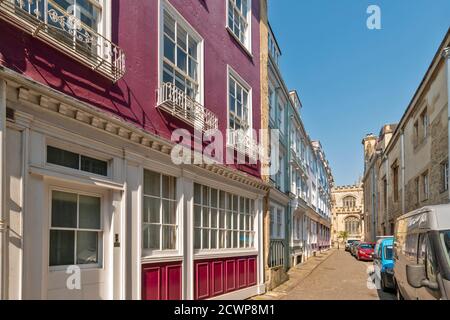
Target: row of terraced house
x=96, y=98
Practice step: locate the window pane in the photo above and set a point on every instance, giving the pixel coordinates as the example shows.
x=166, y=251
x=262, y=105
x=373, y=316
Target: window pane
x=62, y=247
x=168, y=73
x=94, y=166
x=63, y=158
x=213, y=239
x=205, y=217
x=152, y=210
x=229, y=240
x=197, y=193
x=197, y=216
x=213, y=218
x=205, y=196
x=152, y=183
x=181, y=59
x=193, y=67
x=169, y=25
x=241, y=240
x=64, y=210
x=193, y=48
x=205, y=241
x=87, y=247
x=241, y=222
x=89, y=213
x=222, y=200
x=154, y=234
x=181, y=38
x=235, y=203
x=169, y=212
x=235, y=239
x=214, y=198
x=229, y=220
x=169, y=238
x=169, y=49
x=235, y=221
x=168, y=187
x=222, y=241
x=222, y=220
x=197, y=238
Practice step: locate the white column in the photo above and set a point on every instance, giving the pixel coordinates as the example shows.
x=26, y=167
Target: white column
x=3, y=226
x=186, y=226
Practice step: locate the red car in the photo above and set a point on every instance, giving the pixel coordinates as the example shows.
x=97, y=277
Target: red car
x=365, y=250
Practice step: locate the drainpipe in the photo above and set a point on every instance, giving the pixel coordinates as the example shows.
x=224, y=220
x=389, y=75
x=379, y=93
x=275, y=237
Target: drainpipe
x=3, y=225
x=446, y=55
x=388, y=179
x=374, y=204
x=402, y=139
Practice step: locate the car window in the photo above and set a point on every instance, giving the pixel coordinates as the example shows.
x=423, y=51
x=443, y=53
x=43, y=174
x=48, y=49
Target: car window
x=366, y=246
x=445, y=240
x=388, y=252
x=426, y=257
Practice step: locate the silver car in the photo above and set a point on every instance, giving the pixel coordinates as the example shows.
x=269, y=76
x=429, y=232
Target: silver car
x=422, y=254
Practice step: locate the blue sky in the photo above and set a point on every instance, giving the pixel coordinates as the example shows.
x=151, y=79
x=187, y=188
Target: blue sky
x=352, y=80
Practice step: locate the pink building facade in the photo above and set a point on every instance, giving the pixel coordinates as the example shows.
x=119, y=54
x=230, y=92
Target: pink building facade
x=94, y=207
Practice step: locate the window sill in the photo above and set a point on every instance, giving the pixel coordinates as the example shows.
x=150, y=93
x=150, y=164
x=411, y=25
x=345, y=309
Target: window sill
x=169, y=257
x=225, y=253
x=86, y=267
x=246, y=50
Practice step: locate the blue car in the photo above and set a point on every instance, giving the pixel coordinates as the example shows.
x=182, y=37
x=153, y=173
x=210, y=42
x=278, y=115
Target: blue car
x=383, y=261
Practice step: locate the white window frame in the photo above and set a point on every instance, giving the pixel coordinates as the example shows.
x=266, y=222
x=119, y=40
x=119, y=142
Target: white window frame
x=164, y=5
x=247, y=45
x=239, y=80
x=81, y=152
x=101, y=231
x=147, y=253
x=248, y=230
x=276, y=223
x=445, y=175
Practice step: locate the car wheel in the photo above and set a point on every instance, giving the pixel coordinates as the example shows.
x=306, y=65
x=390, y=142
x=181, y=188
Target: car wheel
x=383, y=286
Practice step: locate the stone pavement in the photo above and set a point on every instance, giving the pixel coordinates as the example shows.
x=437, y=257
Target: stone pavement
x=332, y=275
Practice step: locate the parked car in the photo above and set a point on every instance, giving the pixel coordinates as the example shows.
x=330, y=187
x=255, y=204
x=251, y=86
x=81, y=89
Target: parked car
x=348, y=244
x=422, y=254
x=353, y=248
x=364, y=251
x=383, y=262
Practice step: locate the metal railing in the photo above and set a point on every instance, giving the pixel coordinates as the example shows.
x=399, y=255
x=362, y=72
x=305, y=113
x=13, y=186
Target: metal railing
x=180, y=105
x=47, y=21
x=276, y=253
x=245, y=144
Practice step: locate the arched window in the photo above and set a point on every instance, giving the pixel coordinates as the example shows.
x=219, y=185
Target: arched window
x=352, y=225
x=349, y=202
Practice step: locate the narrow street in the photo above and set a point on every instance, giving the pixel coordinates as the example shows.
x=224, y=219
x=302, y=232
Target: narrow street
x=334, y=276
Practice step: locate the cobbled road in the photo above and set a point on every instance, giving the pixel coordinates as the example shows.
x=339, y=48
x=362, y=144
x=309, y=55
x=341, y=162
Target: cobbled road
x=340, y=277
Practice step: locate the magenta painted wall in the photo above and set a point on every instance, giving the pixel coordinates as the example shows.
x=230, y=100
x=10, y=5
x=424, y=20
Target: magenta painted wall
x=135, y=30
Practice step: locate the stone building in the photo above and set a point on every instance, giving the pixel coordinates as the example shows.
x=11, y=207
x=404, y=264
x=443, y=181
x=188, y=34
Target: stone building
x=348, y=212
x=406, y=166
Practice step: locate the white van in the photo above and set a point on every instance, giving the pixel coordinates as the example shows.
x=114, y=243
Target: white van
x=421, y=254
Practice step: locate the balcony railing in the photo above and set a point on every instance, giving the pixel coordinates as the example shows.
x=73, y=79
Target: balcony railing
x=276, y=254
x=244, y=143
x=47, y=21
x=176, y=102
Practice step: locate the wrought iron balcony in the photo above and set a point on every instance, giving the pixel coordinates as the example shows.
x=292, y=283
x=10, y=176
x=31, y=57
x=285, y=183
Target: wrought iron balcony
x=47, y=21
x=245, y=144
x=176, y=102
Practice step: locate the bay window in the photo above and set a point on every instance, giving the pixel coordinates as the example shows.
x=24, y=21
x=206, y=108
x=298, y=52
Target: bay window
x=75, y=229
x=159, y=219
x=239, y=15
x=222, y=220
